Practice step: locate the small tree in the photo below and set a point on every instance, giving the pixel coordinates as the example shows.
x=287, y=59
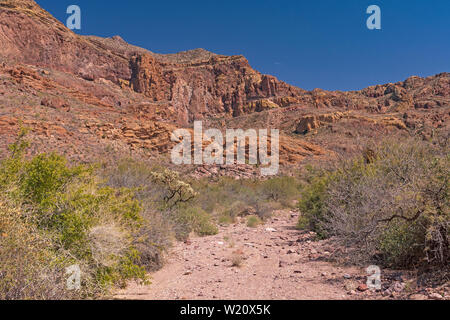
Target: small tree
x=176, y=190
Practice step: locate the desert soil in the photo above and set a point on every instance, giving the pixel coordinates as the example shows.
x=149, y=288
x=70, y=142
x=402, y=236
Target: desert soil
x=279, y=262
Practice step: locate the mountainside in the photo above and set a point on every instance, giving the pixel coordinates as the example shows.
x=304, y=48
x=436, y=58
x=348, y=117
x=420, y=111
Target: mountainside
x=83, y=94
x=90, y=200
x=196, y=83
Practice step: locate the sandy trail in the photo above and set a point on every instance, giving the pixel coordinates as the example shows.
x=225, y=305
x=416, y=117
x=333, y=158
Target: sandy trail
x=280, y=262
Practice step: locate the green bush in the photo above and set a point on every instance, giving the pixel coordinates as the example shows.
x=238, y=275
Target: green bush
x=281, y=189
x=253, y=221
x=191, y=219
x=67, y=217
x=44, y=176
x=312, y=204
x=401, y=243
x=29, y=267
x=226, y=219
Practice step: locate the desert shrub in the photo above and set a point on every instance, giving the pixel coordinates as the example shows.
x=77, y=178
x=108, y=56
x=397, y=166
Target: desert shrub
x=401, y=243
x=106, y=242
x=253, y=221
x=29, y=268
x=68, y=218
x=157, y=233
x=127, y=267
x=191, y=219
x=312, y=203
x=176, y=191
x=394, y=206
x=153, y=238
x=228, y=215
x=230, y=198
x=168, y=205
x=223, y=194
x=225, y=219
x=280, y=189
x=264, y=210
x=128, y=173
x=43, y=176
x=237, y=258
x=238, y=208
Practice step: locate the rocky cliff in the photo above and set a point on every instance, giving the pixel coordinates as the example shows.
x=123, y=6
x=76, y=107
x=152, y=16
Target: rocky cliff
x=81, y=94
x=196, y=83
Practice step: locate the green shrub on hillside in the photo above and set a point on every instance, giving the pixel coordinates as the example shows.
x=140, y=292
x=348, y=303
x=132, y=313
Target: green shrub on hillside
x=165, y=197
x=312, y=204
x=281, y=189
x=29, y=266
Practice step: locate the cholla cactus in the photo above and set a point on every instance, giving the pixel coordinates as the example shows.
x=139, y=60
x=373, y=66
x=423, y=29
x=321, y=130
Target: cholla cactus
x=178, y=191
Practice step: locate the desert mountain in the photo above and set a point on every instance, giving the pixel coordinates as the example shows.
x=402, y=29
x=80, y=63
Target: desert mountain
x=196, y=83
x=86, y=96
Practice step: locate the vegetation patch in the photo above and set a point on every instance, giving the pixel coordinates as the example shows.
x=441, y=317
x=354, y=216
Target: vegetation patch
x=392, y=203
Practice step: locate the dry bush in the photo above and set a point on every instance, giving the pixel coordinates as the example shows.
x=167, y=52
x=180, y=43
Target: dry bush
x=281, y=190
x=107, y=243
x=237, y=258
x=264, y=210
x=161, y=193
x=29, y=269
x=393, y=207
x=153, y=239
x=189, y=219
x=253, y=221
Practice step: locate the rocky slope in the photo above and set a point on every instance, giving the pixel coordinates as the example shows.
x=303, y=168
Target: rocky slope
x=91, y=97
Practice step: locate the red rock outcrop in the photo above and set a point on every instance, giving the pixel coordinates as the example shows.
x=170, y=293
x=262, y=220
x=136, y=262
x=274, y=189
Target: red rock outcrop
x=311, y=122
x=212, y=86
x=29, y=34
x=197, y=83
x=82, y=94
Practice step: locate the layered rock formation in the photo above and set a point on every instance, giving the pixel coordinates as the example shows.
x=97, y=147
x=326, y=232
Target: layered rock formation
x=311, y=122
x=212, y=86
x=84, y=94
x=31, y=35
x=197, y=83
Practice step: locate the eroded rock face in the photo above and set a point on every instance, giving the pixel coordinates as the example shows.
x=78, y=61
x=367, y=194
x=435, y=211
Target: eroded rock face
x=29, y=34
x=311, y=122
x=147, y=78
x=197, y=83
x=152, y=136
x=216, y=86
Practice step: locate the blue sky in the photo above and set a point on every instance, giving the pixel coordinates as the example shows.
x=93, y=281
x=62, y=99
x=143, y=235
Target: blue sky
x=310, y=44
